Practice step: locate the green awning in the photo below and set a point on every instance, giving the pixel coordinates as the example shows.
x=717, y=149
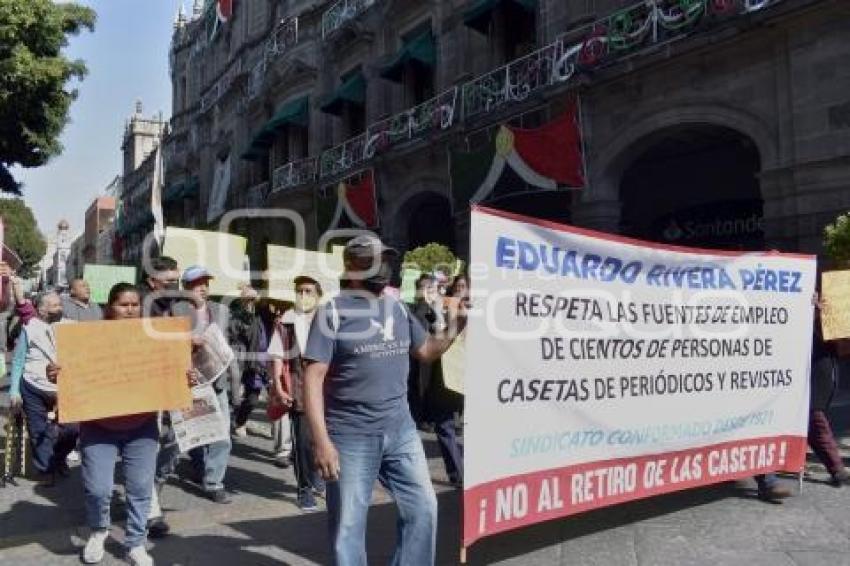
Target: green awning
x=422, y=50
x=478, y=15
x=351, y=91
x=259, y=144
x=294, y=113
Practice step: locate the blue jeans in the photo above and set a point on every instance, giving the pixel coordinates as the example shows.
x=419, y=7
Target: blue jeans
x=398, y=461
x=766, y=481
x=211, y=460
x=137, y=447
x=51, y=442
x=450, y=449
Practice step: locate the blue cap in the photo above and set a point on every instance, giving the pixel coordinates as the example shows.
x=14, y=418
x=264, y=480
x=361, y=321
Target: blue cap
x=194, y=273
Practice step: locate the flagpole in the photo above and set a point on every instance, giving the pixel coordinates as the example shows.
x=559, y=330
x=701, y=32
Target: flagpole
x=582, y=144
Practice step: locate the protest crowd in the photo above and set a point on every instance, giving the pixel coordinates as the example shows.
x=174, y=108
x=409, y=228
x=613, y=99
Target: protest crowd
x=346, y=383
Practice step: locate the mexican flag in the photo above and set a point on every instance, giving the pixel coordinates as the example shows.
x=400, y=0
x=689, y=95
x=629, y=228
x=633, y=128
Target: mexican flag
x=545, y=158
x=352, y=203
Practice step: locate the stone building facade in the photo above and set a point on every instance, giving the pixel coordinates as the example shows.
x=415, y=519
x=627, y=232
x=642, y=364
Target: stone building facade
x=709, y=122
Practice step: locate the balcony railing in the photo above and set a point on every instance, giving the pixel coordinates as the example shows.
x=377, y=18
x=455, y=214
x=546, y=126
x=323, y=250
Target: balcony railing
x=432, y=115
x=341, y=12
x=294, y=173
x=282, y=40
x=344, y=156
x=221, y=86
x=514, y=82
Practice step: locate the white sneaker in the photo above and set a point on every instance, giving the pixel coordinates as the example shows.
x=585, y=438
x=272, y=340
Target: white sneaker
x=73, y=457
x=240, y=431
x=138, y=556
x=93, y=551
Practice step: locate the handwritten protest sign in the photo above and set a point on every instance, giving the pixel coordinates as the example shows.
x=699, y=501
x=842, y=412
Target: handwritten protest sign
x=222, y=254
x=286, y=263
x=835, y=314
x=609, y=369
x=201, y=424
x=122, y=367
x=101, y=278
x=454, y=364
x=408, y=284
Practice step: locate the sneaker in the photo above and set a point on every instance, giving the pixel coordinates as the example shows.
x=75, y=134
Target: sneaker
x=219, y=496
x=158, y=528
x=138, y=556
x=93, y=551
x=774, y=494
x=306, y=500
x=240, y=431
x=73, y=457
x=282, y=459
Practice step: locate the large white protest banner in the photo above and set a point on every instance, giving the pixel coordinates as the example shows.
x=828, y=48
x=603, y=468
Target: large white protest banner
x=602, y=369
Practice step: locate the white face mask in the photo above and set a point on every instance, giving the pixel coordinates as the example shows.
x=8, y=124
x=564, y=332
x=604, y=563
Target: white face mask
x=305, y=303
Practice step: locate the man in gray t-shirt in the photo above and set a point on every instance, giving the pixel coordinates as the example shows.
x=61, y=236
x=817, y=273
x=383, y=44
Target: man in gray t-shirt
x=78, y=305
x=356, y=403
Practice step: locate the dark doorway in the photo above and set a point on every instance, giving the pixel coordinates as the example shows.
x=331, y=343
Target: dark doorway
x=695, y=186
x=430, y=220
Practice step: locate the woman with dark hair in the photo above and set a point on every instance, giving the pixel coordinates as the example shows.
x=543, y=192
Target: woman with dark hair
x=135, y=438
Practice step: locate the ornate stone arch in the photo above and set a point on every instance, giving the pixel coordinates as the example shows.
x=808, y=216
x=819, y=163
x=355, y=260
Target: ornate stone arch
x=621, y=148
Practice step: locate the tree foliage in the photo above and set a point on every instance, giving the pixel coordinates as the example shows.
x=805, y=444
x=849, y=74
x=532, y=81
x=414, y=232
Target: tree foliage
x=431, y=257
x=836, y=239
x=22, y=234
x=34, y=78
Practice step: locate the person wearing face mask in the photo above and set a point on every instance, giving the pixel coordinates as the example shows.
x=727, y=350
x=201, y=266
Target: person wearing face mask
x=33, y=388
x=285, y=353
x=355, y=390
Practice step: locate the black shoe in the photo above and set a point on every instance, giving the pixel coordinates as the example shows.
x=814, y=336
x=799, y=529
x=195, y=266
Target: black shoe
x=840, y=479
x=62, y=469
x=774, y=494
x=158, y=528
x=219, y=496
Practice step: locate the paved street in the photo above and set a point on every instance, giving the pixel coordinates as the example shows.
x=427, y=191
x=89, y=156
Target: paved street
x=724, y=525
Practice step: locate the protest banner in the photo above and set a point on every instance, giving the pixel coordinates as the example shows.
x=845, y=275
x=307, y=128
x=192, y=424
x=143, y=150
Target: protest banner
x=408, y=284
x=101, y=278
x=213, y=356
x=609, y=369
x=201, y=424
x=835, y=298
x=122, y=367
x=222, y=254
x=454, y=364
x=285, y=264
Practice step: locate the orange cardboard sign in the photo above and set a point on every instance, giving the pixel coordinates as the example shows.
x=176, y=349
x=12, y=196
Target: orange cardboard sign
x=122, y=367
x=835, y=297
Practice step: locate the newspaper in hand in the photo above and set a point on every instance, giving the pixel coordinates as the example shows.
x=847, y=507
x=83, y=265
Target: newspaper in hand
x=201, y=424
x=213, y=357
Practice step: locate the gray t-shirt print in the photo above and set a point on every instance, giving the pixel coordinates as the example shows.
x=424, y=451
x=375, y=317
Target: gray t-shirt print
x=366, y=342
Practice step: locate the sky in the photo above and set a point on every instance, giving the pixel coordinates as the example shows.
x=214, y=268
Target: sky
x=127, y=59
